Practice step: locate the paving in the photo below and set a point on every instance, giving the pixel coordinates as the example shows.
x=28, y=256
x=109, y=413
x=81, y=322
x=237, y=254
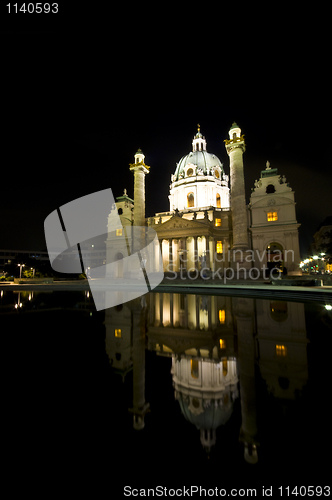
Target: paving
x=259, y=288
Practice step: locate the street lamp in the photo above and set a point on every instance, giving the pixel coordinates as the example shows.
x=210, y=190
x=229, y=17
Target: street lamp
x=20, y=266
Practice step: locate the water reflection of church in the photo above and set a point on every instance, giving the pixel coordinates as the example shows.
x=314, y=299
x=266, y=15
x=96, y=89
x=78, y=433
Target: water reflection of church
x=215, y=344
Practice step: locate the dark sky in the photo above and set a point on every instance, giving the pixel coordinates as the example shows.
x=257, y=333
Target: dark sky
x=74, y=110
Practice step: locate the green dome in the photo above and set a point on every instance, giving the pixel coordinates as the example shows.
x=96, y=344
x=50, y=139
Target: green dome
x=201, y=159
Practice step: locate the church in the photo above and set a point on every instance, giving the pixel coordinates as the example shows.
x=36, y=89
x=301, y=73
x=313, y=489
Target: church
x=209, y=229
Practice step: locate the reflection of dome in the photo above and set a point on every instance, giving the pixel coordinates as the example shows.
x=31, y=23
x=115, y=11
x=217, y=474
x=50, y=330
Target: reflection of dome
x=202, y=159
x=205, y=391
x=211, y=413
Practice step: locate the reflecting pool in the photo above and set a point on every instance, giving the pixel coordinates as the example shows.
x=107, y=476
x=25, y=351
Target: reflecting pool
x=169, y=389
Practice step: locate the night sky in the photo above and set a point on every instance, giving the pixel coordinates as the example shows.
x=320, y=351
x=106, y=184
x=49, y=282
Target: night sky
x=74, y=110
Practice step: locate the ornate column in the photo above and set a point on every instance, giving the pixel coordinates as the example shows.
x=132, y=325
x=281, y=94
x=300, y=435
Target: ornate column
x=140, y=170
x=235, y=148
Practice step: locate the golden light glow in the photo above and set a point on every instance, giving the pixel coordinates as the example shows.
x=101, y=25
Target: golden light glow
x=222, y=315
x=118, y=232
x=271, y=216
x=219, y=247
x=194, y=368
x=117, y=333
x=190, y=200
x=218, y=200
x=224, y=367
x=222, y=344
x=217, y=222
x=281, y=350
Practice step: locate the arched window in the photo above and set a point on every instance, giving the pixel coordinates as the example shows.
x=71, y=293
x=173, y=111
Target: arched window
x=270, y=188
x=218, y=201
x=190, y=200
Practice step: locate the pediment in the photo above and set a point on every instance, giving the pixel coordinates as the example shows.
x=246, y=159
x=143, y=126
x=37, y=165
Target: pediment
x=270, y=202
x=177, y=222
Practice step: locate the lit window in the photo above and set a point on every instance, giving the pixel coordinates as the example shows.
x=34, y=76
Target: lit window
x=194, y=368
x=224, y=367
x=190, y=172
x=190, y=200
x=218, y=200
x=219, y=247
x=281, y=350
x=272, y=216
x=117, y=333
x=118, y=232
x=222, y=344
x=217, y=222
x=222, y=315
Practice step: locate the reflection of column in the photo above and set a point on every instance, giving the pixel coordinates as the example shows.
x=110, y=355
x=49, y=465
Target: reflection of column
x=197, y=312
x=186, y=311
x=140, y=407
x=171, y=310
x=244, y=310
x=161, y=305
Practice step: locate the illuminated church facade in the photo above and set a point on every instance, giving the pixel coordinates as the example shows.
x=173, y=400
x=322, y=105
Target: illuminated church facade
x=209, y=226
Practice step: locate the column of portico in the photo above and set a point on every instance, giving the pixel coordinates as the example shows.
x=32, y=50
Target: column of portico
x=170, y=254
x=217, y=256
x=176, y=255
x=184, y=255
x=207, y=252
x=195, y=253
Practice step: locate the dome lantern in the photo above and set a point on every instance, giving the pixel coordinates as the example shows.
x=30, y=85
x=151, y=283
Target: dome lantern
x=199, y=142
